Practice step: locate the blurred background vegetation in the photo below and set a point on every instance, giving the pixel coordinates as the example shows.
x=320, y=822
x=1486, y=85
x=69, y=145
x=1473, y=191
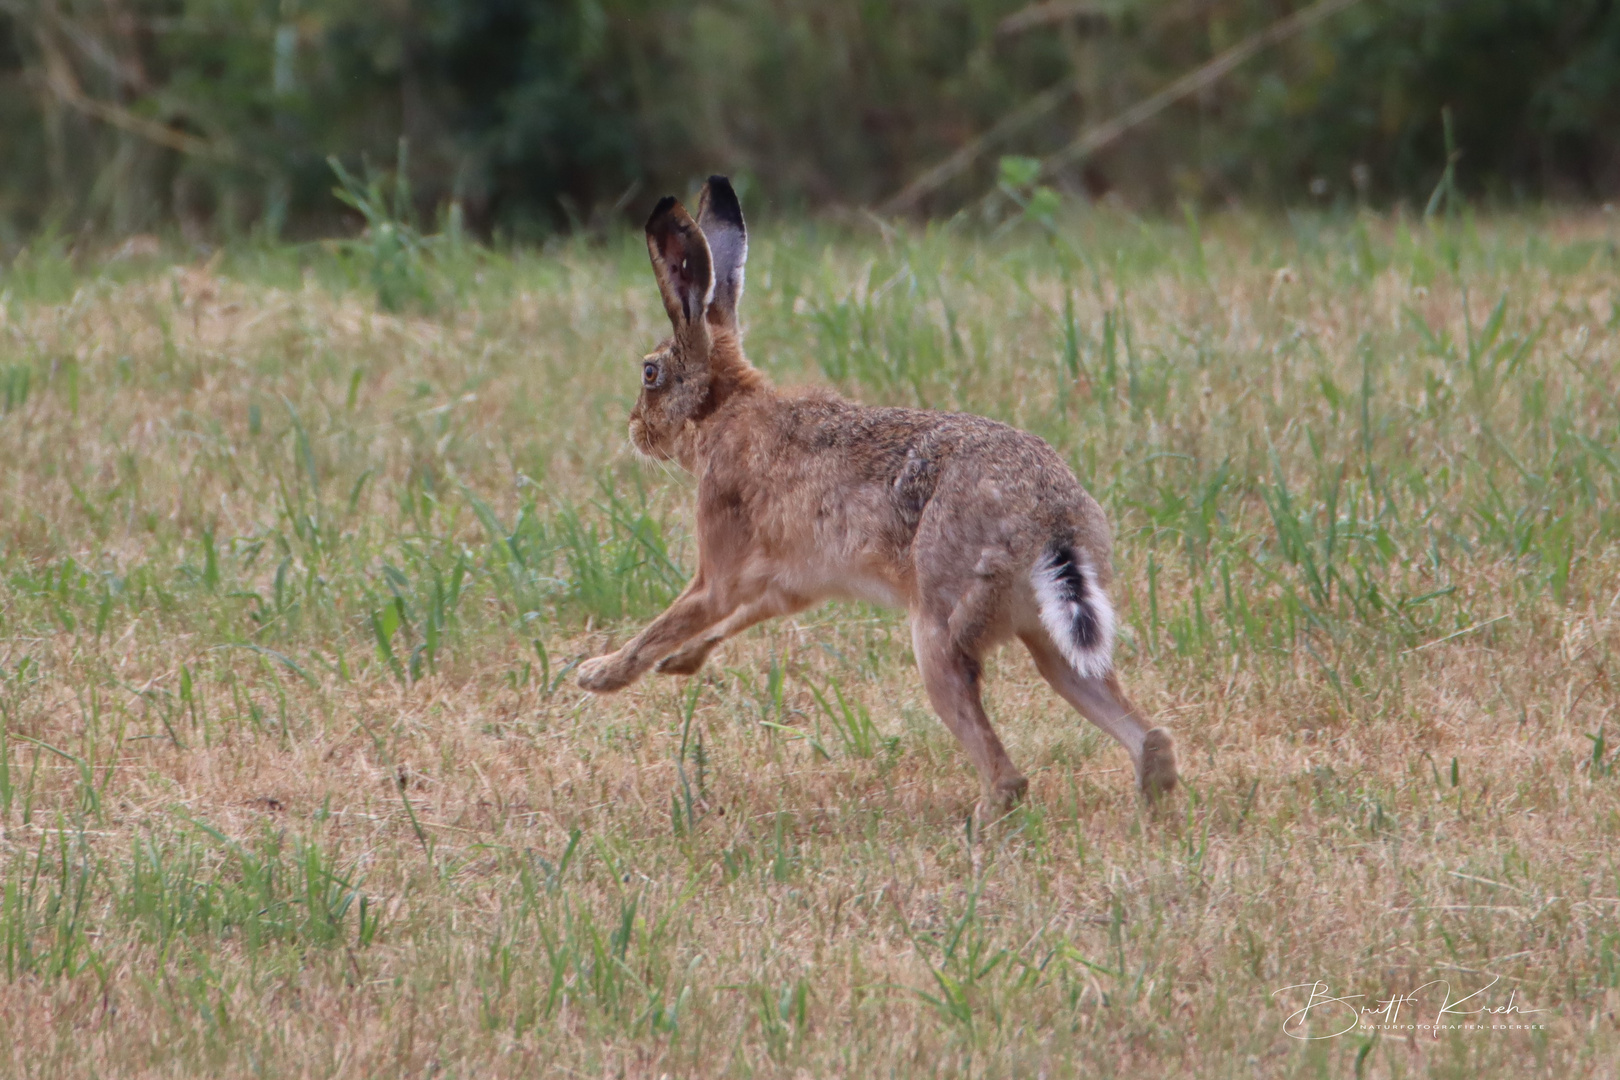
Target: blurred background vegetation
x=217, y=117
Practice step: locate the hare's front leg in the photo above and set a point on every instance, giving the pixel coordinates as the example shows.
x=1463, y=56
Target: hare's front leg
x=689, y=657
x=693, y=612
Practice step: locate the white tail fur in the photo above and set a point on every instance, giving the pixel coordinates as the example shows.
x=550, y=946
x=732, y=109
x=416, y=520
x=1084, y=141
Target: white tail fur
x=1075, y=610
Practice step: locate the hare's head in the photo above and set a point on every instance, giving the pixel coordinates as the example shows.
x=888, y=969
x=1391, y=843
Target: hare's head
x=699, y=267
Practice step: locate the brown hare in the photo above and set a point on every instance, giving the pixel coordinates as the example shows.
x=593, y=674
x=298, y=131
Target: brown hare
x=977, y=529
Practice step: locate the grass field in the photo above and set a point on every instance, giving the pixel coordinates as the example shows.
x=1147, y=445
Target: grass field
x=295, y=781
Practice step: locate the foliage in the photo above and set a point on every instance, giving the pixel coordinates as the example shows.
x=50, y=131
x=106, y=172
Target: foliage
x=392, y=250
x=533, y=114
x=1534, y=86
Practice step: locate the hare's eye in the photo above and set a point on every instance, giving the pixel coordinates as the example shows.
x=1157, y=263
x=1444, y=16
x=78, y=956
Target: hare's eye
x=649, y=374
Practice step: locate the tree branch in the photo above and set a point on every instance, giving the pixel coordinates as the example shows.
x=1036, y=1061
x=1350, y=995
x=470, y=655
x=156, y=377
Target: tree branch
x=1100, y=135
x=60, y=79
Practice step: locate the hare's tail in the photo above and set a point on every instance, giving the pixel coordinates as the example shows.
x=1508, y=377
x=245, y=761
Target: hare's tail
x=1075, y=609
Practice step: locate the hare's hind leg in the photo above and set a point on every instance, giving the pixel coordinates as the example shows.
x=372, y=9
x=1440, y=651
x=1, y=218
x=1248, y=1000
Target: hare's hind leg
x=951, y=677
x=1103, y=702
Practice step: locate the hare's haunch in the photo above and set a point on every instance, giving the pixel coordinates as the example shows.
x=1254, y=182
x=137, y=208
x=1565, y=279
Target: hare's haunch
x=977, y=529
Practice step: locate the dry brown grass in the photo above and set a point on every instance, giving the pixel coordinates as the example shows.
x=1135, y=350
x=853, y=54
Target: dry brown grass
x=1369, y=577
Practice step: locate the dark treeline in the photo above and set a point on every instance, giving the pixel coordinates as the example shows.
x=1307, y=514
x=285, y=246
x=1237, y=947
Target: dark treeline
x=219, y=115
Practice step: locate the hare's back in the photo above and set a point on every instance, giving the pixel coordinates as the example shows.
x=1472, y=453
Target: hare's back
x=976, y=475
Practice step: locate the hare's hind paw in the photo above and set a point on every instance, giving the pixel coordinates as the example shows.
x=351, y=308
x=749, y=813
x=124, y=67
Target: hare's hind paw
x=999, y=800
x=603, y=674
x=1158, y=774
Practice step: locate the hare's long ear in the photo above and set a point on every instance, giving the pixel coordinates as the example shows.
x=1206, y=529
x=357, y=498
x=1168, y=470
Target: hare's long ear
x=720, y=216
x=681, y=262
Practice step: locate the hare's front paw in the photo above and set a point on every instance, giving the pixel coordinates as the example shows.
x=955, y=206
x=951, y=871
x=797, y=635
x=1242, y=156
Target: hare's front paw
x=603, y=674
x=688, y=661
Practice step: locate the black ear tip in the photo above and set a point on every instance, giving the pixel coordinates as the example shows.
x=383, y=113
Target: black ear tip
x=720, y=200
x=665, y=205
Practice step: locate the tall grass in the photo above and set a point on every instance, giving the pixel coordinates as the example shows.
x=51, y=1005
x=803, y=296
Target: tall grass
x=294, y=778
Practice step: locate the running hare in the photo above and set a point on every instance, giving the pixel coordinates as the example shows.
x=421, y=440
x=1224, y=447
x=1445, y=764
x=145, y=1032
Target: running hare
x=977, y=529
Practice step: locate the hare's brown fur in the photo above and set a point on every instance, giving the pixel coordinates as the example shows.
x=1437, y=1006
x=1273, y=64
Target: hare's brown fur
x=977, y=529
